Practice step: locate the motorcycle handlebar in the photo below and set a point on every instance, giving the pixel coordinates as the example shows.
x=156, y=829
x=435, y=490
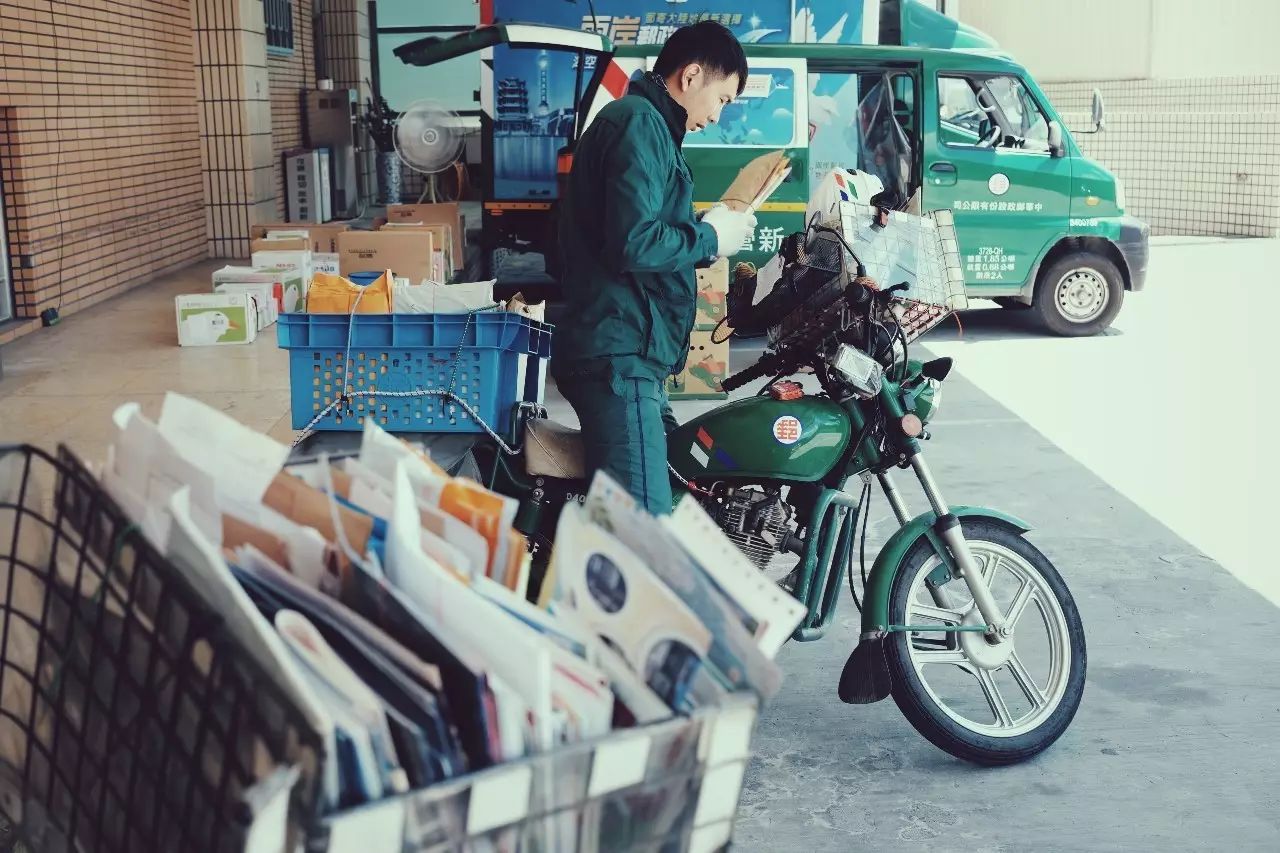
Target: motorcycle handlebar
x=771, y=364
x=766, y=366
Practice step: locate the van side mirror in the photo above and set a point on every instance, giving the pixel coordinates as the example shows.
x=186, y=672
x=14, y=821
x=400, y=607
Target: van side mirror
x=1056, y=146
x=1099, y=117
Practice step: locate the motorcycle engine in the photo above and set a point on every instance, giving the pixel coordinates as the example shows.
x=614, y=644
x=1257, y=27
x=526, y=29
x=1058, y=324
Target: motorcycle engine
x=758, y=522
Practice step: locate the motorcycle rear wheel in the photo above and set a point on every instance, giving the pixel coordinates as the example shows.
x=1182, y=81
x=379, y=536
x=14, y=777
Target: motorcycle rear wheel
x=989, y=704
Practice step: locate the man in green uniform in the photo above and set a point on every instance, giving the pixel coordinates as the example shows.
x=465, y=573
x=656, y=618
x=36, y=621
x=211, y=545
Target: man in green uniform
x=630, y=243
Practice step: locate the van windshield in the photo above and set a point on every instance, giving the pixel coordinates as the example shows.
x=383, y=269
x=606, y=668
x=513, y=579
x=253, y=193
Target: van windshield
x=990, y=112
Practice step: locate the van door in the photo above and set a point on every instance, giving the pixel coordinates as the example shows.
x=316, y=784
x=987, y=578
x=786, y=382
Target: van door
x=989, y=162
x=866, y=118
x=534, y=82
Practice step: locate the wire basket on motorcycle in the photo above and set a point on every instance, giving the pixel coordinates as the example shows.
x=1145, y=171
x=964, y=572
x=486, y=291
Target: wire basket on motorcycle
x=916, y=256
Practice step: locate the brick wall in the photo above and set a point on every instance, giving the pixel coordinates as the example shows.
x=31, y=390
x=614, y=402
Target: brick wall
x=290, y=74
x=346, y=31
x=1197, y=156
x=99, y=147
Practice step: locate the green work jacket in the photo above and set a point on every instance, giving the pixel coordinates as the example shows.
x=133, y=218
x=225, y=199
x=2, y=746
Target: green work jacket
x=630, y=241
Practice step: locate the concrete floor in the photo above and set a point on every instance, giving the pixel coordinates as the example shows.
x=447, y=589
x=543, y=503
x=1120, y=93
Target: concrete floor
x=1175, y=746
x=62, y=384
x=1173, y=406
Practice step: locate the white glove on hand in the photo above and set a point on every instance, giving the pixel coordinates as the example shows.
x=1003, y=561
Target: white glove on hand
x=732, y=228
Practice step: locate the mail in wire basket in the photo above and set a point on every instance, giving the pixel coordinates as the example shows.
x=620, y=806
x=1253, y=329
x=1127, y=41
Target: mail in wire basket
x=130, y=720
x=670, y=786
x=134, y=718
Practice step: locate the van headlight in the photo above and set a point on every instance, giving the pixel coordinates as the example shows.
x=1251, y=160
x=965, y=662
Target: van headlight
x=1121, y=201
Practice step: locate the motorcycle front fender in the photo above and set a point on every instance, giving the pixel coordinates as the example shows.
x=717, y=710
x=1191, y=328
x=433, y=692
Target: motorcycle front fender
x=875, y=609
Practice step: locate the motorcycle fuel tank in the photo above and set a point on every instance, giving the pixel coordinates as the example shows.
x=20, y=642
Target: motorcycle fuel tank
x=761, y=438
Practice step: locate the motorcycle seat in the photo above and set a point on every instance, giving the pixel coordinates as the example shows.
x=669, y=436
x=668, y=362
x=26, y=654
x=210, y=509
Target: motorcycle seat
x=553, y=450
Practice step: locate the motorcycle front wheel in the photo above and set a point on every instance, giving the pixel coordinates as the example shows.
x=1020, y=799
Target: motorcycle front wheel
x=992, y=704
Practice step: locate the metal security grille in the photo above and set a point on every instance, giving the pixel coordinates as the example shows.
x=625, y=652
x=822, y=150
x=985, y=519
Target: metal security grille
x=279, y=19
x=1197, y=156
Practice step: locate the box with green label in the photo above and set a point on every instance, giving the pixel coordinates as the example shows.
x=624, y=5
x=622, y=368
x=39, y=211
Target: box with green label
x=294, y=269
x=712, y=295
x=216, y=319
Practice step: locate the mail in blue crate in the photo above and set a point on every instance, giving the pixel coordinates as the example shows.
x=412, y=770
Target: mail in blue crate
x=333, y=294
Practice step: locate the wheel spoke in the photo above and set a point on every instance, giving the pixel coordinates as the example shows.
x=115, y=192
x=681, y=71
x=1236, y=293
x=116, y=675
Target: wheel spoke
x=930, y=611
x=1020, y=601
x=955, y=657
x=990, y=567
x=1030, y=689
x=992, y=691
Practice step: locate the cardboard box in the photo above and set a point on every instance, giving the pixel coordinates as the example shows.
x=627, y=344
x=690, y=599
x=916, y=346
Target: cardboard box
x=216, y=319
x=707, y=367
x=264, y=298
x=324, y=238
x=325, y=262
x=442, y=241
x=294, y=270
x=278, y=244
x=285, y=285
x=713, y=295
x=449, y=213
x=406, y=254
x=714, y=277
x=713, y=305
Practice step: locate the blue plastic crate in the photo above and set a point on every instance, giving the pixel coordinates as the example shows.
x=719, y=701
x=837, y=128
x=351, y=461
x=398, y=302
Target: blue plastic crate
x=502, y=361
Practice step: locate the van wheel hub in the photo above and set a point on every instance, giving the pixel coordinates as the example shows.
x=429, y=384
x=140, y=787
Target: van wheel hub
x=1082, y=295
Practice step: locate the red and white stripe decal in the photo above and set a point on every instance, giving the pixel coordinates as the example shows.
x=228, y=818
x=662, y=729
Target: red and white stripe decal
x=612, y=87
x=615, y=80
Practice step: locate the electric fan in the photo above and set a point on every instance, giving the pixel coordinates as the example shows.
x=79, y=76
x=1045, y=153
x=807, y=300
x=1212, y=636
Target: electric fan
x=429, y=140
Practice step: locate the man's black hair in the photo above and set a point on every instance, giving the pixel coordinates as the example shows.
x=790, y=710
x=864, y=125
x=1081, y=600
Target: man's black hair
x=706, y=43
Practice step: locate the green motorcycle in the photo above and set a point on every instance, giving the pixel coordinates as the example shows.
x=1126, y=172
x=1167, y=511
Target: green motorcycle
x=965, y=623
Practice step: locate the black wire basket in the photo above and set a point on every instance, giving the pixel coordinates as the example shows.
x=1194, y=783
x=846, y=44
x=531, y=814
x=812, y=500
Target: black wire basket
x=130, y=719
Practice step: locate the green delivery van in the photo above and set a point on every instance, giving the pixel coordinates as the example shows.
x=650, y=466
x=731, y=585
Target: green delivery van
x=1040, y=225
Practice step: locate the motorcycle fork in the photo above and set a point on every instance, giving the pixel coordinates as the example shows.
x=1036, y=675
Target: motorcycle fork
x=828, y=551
x=948, y=530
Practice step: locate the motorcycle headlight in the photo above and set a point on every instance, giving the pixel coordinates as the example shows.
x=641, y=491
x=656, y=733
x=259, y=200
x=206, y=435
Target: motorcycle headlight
x=858, y=369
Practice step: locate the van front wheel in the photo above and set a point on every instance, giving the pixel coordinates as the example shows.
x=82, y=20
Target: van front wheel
x=1079, y=294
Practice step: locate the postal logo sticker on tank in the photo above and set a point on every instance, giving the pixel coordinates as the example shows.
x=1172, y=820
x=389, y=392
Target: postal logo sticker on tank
x=787, y=430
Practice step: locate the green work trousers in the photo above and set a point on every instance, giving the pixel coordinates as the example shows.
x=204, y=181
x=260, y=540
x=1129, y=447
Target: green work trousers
x=625, y=421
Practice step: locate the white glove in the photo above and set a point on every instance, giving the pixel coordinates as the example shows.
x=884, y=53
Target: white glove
x=732, y=228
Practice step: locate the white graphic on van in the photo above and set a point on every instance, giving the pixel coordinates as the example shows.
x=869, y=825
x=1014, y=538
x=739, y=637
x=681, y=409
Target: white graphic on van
x=764, y=240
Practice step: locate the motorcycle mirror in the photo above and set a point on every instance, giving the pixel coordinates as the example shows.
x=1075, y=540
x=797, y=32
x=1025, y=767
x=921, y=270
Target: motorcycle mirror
x=937, y=370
